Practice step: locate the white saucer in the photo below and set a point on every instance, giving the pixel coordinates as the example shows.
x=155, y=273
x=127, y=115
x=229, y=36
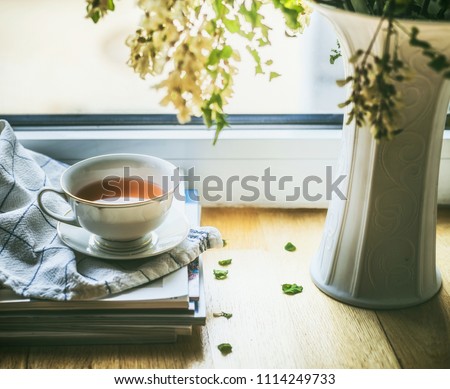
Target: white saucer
x=168, y=235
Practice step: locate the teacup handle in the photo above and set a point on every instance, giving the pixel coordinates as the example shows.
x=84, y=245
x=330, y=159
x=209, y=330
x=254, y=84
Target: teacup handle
x=63, y=219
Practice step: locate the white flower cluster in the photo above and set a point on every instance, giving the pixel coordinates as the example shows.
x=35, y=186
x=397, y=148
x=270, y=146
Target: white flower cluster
x=188, y=43
x=178, y=36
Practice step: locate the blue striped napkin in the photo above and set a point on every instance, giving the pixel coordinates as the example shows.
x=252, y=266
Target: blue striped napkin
x=35, y=263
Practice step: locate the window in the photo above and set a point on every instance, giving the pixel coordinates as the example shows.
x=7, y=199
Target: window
x=55, y=61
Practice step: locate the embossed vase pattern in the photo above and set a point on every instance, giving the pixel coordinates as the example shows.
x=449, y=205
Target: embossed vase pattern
x=378, y=246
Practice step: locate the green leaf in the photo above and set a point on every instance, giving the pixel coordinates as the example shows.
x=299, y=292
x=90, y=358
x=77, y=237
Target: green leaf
x=214, y=57
x=291, y=289
x=274, y=75
x=226, y=52
x=254, y=53
x=439, y=63
x=220, y=274
x=252, y=15
x=110, y=5
x=217, y=99
x=221, y=123
x=224, y=242
x=334, y=58
x=291, y=10
x=354, y=58
x=265, y=34
x=227, y=78
x=223, y=314
x=413, y=41
x=232, y=26
x=225, y=348
x=225, y=262
x=218, y=54
x=335, y=53
x=289, y=247
x=207, y=116
x=263, y=42
x=397, y=131
x=219, y=8
x=361, y=7
x=95, y=16
x=344, y=82
x=343, y=105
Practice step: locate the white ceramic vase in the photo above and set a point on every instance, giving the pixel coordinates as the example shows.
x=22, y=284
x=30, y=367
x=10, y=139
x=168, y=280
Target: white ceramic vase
x=378, y=246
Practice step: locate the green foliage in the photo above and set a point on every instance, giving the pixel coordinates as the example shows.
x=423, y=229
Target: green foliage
x=335, y=53
x=400, y=9
x=98, y=8
x=374, y=99
x=438, y=62
x=290, y=9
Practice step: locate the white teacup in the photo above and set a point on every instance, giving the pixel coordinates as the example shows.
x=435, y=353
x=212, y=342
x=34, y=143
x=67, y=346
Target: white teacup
x=120, y=198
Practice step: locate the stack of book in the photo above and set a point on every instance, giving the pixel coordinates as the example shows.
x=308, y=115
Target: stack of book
x=154, y=313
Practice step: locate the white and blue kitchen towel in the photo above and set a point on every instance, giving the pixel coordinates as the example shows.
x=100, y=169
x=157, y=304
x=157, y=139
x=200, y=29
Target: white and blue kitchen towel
x=35, y=263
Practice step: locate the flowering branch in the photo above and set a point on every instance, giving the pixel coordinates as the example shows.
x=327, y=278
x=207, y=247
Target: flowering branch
x=374, y=99
x=190, y=42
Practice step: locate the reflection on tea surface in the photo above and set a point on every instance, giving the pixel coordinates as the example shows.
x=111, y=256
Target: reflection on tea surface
x=120, y=190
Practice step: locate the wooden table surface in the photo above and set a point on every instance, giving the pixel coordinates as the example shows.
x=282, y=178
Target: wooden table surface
x=272, y=330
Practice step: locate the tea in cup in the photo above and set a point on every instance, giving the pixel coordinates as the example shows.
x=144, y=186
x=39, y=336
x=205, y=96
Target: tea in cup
x=120, y=198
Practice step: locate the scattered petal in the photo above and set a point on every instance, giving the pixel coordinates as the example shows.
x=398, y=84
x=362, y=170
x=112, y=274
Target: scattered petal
x=220, y=274
x=291, y=289
x=290, y=247
x=225, y=348
x=223, y=314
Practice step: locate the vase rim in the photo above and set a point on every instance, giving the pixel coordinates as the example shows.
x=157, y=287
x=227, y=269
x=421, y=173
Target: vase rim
x=326, y=7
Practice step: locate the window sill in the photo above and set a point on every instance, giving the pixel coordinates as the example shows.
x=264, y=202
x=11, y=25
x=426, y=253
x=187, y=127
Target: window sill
x=240, y=151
